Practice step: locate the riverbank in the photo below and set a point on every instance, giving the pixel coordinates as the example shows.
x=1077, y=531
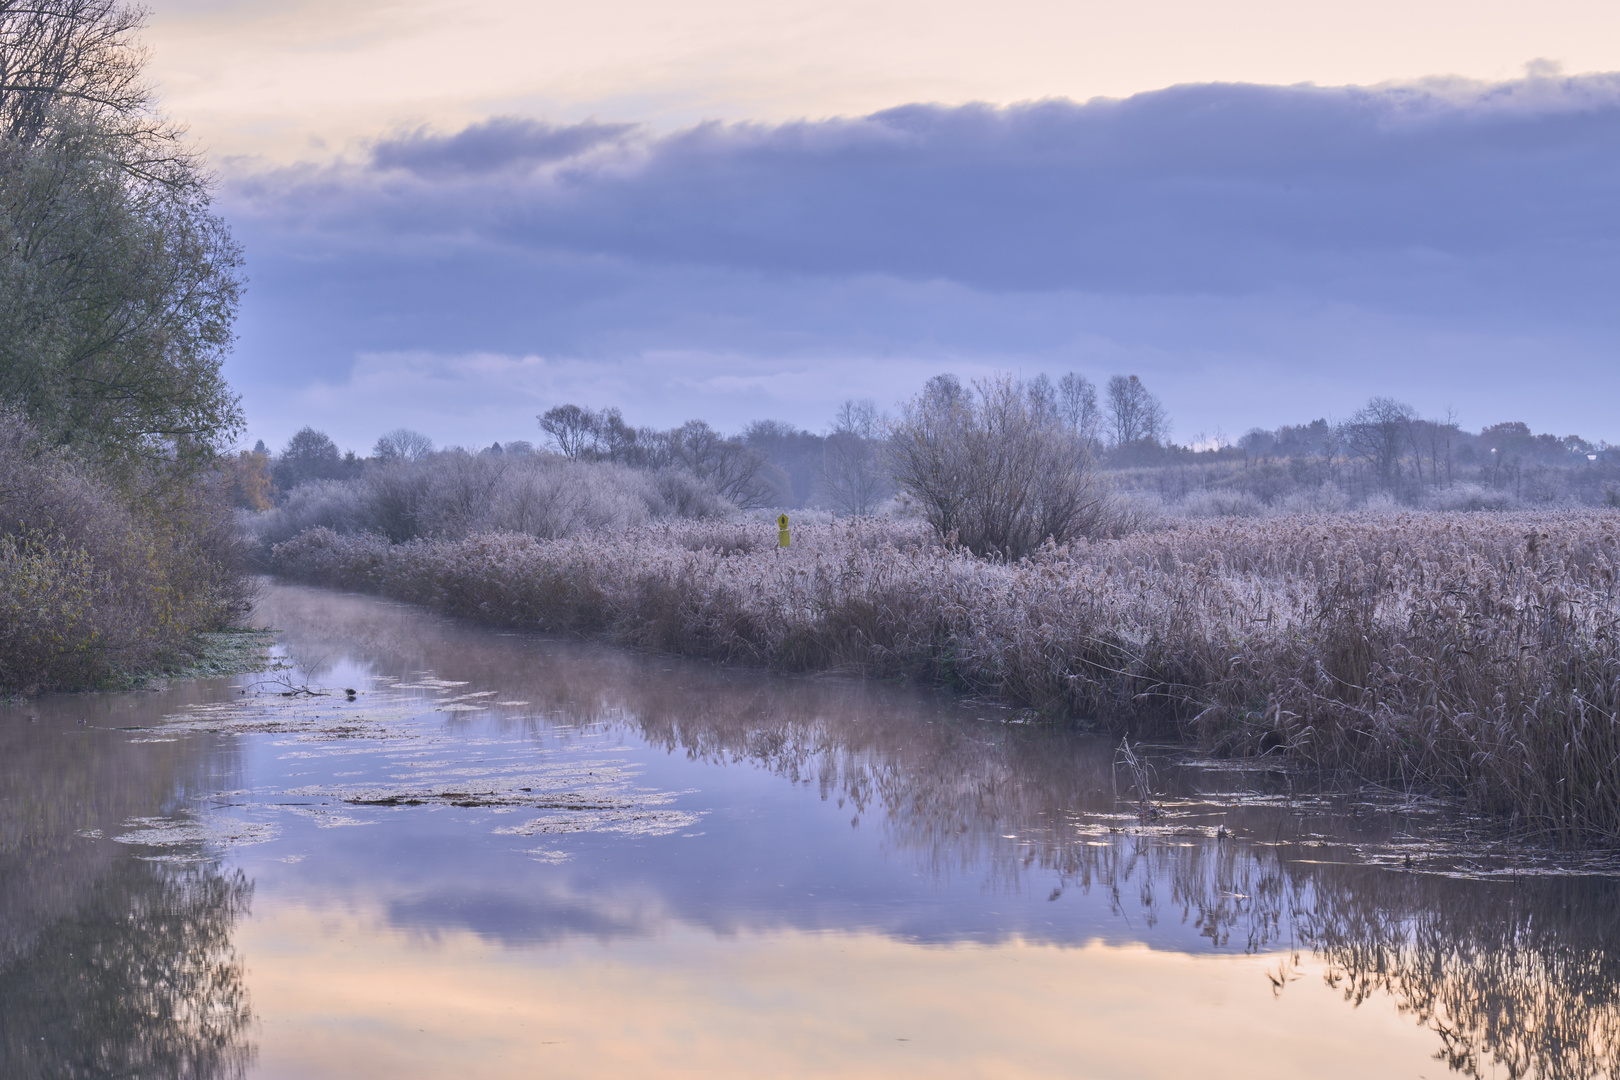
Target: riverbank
x=212, y=654
x=107, y=580
x=1470, y=653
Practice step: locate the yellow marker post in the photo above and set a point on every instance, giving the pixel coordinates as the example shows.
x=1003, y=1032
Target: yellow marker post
x=782, y=531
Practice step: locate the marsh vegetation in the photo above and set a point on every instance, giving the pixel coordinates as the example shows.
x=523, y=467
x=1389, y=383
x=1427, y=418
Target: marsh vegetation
x=628, y=797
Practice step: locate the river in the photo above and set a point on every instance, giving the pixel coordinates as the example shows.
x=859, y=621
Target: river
x=512, y=855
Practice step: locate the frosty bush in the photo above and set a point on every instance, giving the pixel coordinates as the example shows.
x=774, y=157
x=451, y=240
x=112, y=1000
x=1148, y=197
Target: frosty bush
x=994, y=469
x=95, y=584
x=454, y=494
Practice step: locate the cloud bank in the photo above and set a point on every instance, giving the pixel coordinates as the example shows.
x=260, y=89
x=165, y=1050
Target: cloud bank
x=1259, y=254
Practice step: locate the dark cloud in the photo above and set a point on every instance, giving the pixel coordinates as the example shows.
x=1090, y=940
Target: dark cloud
x=1419, y=238
x=1216, y=189
x=501, y=143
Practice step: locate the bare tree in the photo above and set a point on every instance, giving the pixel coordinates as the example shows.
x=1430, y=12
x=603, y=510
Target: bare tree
x=1378, y=433
x=1134, y=413
x=69, y=65
x=1077, y=406
x=798, y=453
x=853, y=478
x=744, y=476
x=402, y=444
x=572, y=430
x=602, y=435
x=1043, y=398
x=993, y=469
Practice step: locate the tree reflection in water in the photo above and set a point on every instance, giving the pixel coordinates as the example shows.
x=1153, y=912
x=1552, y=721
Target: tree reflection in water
x=1518, y=979
x=140, y=981
x=1515, y=977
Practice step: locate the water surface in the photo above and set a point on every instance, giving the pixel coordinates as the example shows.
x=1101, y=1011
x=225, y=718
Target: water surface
x=512, y=855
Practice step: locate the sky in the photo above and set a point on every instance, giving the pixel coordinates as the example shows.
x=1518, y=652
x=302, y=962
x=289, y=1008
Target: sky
x=457, y=216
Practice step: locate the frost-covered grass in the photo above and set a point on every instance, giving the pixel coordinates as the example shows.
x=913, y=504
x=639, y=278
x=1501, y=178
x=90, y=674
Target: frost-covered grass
x=1467, y=652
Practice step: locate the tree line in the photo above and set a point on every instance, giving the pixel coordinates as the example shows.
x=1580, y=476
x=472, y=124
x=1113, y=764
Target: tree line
x=846, y=468
x=1003, y=463
x=1384, y=448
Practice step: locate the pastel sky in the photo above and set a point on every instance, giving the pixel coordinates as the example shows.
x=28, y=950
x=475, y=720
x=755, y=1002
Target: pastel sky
x=458, y=215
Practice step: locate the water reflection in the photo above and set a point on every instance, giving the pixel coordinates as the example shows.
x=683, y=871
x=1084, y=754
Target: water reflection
x=816, y=833
x=1516, y=979
x=112, y=964
x=1514, y=976
x=139, y=980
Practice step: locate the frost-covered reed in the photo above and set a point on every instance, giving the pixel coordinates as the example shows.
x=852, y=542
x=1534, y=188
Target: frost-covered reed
x=1474, y=653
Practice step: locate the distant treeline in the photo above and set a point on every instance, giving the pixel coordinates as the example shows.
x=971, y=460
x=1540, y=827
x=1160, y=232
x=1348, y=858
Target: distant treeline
x=1384, y=453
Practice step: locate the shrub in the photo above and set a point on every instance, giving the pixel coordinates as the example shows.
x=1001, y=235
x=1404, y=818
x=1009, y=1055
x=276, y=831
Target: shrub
x=95, y=585
x=995, y=470
x=454, y=494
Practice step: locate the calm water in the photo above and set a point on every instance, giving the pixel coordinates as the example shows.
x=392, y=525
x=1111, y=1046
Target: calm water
x=514, y=856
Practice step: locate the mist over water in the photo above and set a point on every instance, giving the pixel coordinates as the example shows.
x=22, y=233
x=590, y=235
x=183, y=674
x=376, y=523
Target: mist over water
x=519, y=852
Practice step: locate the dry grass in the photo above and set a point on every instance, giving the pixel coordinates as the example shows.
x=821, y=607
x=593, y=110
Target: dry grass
x=1467, y=652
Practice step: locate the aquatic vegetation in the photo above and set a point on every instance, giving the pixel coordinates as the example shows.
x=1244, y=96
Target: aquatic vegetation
x=1475, y=654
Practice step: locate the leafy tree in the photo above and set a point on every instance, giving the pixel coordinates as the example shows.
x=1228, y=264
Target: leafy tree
x=248, y=482
x=309, y=455
x=118, y=287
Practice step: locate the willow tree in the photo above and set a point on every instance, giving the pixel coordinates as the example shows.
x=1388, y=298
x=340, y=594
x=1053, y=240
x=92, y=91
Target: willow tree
x=118, y=286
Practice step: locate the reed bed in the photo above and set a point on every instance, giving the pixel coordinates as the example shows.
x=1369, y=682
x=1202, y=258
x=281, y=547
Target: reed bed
x=1470, y=653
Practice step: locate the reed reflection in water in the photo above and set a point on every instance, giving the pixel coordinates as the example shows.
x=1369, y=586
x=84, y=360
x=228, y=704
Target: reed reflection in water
x=1514, y=976
x=999, y=910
